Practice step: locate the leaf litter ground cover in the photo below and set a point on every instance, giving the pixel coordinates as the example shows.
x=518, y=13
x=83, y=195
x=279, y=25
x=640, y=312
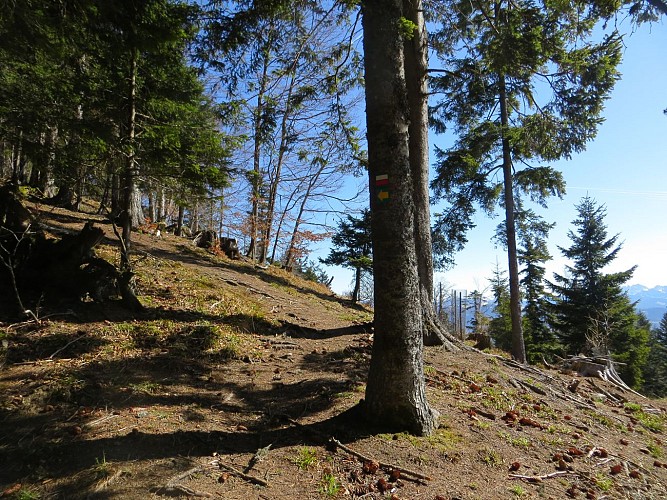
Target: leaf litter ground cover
x=242, y=383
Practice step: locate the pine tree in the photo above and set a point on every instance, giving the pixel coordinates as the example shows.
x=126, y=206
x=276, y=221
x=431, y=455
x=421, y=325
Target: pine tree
x=533, y=254
x=352, y=248
x=500, y=326
x=590, y=304
x=496, y=55
x=655, y=372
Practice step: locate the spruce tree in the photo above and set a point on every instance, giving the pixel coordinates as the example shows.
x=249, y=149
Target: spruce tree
x=500, y=326
x=591, y=311
x=533, y=254
x=655, y=371
x=352, y=248
x=522, y=85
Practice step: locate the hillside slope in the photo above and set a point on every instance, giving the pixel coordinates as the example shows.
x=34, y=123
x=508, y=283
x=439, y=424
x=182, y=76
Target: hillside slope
x=233, y=382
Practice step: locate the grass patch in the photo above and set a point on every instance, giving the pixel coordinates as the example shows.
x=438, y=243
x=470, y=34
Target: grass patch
x=146, y=387
x=329, y=485
x=600, y=419
x=518, y=491
x=306, y=458
x=654, y=449
x=496, y=399
x=519, y=442
x=101, y=467
x=654, y=423
x=490, y=457
x=443, y=439
x=604, y=483
x=25, y=494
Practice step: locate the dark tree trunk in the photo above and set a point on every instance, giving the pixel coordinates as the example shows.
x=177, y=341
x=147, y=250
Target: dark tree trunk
x=255, y=175
x=416, y=66
x=179, y=221
x=357, y=285
x=395, y=393
x=518, y=347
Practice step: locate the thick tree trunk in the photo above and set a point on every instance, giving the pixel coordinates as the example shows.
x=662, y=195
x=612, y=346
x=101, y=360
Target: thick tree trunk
x=416, y=66
x=518, y=347
x=395, y=393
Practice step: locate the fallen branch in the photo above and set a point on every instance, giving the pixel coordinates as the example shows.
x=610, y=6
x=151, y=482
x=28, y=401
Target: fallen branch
x=106, y=482
x=67, y=345
x=532, y=387
x=385, y=466
x=259, y=455
x=537, y=479
x=183, y=475
x=242, y=475
x=179, y=490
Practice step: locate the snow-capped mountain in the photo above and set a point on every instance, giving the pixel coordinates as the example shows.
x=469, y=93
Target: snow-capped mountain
x=652, y=301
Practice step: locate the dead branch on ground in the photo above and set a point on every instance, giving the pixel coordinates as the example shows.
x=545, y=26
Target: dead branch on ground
x=383, y=465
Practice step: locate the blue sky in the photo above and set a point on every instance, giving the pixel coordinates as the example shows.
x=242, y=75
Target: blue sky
x=624, y=168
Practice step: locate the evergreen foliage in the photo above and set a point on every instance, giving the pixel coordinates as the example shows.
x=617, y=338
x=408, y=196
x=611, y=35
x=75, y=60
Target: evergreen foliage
x=352, y=248
x=592, y=314
x=655, y=371
x=533, y=255
x=590, y=303
x=496, y=55
x=500, y=325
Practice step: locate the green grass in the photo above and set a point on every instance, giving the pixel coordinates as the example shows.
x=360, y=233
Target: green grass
x=518, y=491
x=654, y=449
x=25, y=494
x=490, y=457
x=519, y=442
x=604, y=483
x=443, y=439
x=654, y=423
x=329, y=485
x=145, y=387
x=101, y=467
x=306, y=458
x=496, y=399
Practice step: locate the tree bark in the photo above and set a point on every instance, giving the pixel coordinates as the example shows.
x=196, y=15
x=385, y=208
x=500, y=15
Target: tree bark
x=395, y=392
x=416, y=76
x=130, y=173
x=255, y=179
x=357, y=285
x=275, y=181
x=518, y=347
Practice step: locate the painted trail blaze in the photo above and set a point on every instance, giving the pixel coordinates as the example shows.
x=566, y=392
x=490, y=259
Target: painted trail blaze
x=382, y=185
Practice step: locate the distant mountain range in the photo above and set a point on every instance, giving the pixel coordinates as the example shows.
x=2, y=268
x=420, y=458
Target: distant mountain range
x=651, y=301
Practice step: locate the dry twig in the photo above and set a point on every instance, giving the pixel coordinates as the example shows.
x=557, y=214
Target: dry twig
x=537, y=479
x=242, y=475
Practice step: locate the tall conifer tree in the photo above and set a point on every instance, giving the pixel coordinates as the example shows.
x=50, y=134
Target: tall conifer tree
x=590, y=303
x=496, y=55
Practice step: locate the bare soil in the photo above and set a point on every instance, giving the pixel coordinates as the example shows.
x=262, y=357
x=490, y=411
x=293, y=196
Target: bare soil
x=236, y=380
